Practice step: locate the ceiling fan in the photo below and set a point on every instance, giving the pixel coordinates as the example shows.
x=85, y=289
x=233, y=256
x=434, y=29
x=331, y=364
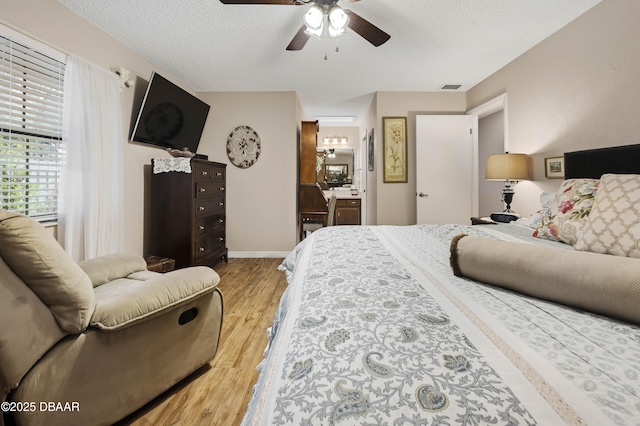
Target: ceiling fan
x=314, y=23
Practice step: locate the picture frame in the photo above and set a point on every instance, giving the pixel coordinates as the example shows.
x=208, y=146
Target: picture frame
x=554, y=168
x=371, y=151
x=394, y=142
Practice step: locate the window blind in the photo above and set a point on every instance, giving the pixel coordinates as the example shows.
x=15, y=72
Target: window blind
x=31, y=150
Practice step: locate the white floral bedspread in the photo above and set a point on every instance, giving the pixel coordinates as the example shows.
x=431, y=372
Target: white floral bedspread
x=374, y=329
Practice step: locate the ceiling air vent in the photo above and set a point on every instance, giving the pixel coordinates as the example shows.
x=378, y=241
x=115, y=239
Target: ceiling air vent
x=451, y=87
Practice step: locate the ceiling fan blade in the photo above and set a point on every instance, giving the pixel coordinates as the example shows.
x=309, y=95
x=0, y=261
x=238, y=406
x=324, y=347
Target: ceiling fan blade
x=299, y=40
x=278, y=2
x=366, y=29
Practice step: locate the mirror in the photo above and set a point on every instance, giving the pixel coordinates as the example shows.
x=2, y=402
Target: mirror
x=334, y=168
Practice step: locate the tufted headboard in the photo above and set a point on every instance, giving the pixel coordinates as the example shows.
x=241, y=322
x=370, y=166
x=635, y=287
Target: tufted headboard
x=593, y=163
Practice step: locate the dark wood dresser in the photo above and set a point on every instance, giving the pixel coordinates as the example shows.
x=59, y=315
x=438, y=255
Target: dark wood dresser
x=186, y=217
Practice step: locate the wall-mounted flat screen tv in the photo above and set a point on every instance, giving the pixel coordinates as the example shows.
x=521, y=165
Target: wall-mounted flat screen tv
x=169, y=117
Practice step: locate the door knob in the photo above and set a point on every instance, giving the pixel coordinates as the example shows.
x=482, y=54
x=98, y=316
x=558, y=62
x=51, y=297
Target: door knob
x=422, y=194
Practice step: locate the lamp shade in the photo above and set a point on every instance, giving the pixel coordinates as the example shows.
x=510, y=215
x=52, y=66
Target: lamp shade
x=508, y=167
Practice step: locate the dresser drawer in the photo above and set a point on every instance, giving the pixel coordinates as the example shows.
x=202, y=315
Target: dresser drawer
x=208, y=245
x=209, y=206
x=206, y=225
x=209, y=189
x=347, y=203
x=208, y=172
x=213, y=259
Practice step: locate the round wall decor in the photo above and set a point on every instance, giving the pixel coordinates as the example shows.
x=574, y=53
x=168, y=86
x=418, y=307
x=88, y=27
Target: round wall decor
x=243, y=147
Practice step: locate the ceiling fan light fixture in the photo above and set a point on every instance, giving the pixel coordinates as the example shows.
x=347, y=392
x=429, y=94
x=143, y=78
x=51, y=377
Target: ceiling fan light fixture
x=338, y=19
x=314, y=18
x=333, y=32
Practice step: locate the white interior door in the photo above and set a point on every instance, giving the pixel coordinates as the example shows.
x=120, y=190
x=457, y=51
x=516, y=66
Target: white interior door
x=446, y=168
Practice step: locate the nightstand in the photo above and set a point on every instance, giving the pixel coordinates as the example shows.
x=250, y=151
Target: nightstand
x=482, y=221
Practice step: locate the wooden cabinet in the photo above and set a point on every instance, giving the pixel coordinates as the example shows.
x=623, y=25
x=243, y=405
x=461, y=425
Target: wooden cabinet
x=308, y=150
x=186, y=220
x=347, y=211
x=312, y=206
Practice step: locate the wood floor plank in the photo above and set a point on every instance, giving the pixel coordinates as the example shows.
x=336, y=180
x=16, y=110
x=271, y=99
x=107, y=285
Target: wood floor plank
x=218, y=394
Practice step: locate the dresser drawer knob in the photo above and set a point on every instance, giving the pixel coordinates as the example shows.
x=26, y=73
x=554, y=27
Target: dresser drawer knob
x=221, y=203
x=221, y=220
x=201, y=228
x=220, y=239
x=201, y=208
x=222, y=188
x=201, y=249
x=205, y=173
x=219, y=174
x=203, y=189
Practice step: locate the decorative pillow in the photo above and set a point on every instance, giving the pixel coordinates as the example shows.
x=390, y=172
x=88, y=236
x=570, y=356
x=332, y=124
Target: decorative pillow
x=546, y=199
x=568, y=213
x=613, y=227
x=535, y=220
x=594, y=282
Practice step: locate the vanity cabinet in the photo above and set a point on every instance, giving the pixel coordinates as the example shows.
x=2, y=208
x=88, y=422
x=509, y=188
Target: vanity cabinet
x=186, y=220
x=347, y=212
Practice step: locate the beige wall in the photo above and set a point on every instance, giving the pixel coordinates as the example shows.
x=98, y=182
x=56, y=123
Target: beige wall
x=578, y=89
x=261, y=200
x=370, y=208
x=396, y=202
x=52, y=23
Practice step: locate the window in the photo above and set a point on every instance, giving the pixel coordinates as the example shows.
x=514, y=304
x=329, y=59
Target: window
x=31, y=152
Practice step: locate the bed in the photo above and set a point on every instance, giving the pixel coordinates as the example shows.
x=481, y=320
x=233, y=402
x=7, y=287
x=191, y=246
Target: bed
x=376, y=328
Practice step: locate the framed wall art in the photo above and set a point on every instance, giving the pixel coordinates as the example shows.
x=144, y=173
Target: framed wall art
x=371, y=152
x=394, y=149
x=554, y=168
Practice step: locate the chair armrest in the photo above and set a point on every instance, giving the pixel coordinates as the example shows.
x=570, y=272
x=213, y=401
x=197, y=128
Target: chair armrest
x=112, y=266
x=122, y=303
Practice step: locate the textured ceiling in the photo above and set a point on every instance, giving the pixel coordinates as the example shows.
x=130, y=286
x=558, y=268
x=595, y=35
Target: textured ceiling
x=214, y=47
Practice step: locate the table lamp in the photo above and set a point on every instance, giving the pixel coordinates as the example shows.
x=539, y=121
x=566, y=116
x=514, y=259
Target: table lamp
x=510, y=168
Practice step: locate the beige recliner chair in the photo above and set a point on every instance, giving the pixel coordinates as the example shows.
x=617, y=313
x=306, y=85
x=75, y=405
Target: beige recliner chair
x=99, y=339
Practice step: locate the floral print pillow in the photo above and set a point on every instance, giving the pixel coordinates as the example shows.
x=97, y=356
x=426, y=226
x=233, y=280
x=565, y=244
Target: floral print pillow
x=567, y=215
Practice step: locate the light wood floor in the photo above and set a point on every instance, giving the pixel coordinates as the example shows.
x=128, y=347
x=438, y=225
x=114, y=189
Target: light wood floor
x=218, y=394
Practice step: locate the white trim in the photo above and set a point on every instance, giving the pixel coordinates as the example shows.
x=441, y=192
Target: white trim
x=32, y=41
x=494, y=105
x=257, y=254
x=499, y=103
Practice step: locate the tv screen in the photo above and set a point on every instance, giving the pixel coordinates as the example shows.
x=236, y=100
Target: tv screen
x=169, y=116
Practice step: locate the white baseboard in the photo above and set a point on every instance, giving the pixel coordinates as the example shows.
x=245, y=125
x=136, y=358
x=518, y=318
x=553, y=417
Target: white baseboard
x=258, y=254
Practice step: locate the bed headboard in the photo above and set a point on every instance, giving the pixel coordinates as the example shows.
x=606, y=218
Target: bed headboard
x=593, y=163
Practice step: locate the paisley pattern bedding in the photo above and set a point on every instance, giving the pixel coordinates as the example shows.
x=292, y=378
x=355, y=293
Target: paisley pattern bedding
x=374, y=329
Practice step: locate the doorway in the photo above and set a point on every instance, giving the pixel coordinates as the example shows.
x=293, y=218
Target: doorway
x=446, y=168
x=492, y=139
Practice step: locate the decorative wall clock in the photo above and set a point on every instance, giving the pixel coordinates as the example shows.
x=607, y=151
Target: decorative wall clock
x=243, y=147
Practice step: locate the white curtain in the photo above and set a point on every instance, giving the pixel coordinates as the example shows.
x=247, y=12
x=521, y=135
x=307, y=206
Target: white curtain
x=91, y=219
